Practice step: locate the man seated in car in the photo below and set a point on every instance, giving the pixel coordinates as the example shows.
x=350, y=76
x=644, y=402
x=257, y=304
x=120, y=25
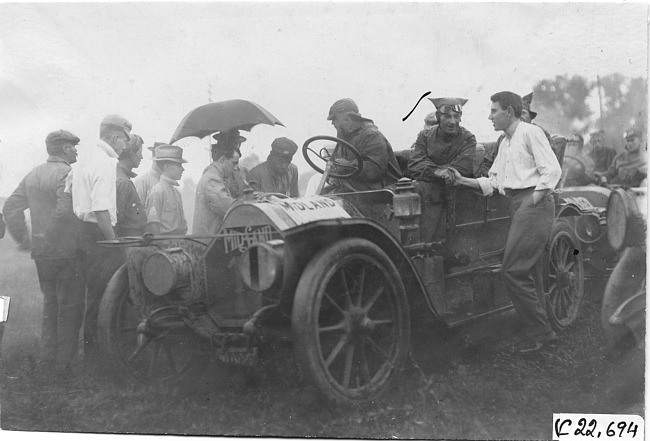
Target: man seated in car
x=444, y=145
x=629, y=168
x=277, y=174
x=380, y=167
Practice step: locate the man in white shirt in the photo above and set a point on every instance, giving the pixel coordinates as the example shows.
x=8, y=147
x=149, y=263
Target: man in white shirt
x=526, y=170
x=94, y=202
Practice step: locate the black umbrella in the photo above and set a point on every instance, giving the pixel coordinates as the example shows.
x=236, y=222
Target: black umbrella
x=221, y=117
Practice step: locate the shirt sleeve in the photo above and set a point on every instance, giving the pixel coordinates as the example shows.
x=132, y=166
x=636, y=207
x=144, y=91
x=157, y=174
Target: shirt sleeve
x=545, y=160
x=14, y=213
x=154, y=207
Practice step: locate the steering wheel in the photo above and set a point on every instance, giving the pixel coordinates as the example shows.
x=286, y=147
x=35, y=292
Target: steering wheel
x=329, y=159
x=574, y=170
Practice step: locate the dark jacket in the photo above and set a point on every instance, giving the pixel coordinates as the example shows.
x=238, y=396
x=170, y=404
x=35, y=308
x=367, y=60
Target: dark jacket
x=55, y=227
x=380, y=167
x=131, y=216
x=431, y=152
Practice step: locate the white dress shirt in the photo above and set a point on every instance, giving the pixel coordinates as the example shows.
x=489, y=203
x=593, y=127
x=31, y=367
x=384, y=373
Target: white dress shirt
x=525, y=160
x=93, y=182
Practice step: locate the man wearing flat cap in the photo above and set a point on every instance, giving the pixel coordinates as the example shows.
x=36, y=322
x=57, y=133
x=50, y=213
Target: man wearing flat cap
x=629, y=168
x=277, y=174
x=214, y=195
x=446, y=144
x=131, y=217
x=380, y=167
x=55, y=229
x=145, y=182
x=93, y=187
x=164, y=205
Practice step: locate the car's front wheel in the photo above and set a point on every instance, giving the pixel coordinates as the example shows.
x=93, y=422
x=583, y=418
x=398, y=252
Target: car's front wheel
x=350, y=321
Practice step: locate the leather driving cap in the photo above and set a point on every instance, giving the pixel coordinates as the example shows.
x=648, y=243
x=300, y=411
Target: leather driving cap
x=61, y=137
x=284, y=147
x=444, y=105
x=166, y=152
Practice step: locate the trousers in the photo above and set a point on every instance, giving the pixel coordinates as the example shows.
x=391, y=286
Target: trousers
x=63, y=307
x=98, y=265
x=522, y=267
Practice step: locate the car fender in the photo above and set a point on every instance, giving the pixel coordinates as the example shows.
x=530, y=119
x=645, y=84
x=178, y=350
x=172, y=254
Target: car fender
x=303, y=242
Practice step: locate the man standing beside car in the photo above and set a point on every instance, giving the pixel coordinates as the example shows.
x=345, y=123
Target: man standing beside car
x=277, y=174
x=131, y=217
x=213, y=196
x=94, y=200
x=54, y=248
x=526, y=171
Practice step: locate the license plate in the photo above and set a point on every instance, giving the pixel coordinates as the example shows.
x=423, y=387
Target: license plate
x=238, y=356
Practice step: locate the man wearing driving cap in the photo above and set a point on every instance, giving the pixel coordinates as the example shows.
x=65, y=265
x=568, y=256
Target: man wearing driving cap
x=629, y=168
x=131, y=217
x=380, y=167
x=164, y=205
x=55, y=230
x=213, y=195
x=145, y=182
x=446, y=144
x=93, y=187
x=277, y=174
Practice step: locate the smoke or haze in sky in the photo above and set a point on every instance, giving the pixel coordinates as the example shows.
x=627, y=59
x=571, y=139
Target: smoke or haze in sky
x=68, y=65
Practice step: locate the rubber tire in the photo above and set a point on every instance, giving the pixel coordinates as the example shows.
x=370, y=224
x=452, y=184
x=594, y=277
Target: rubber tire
x=305, y=321
x=563, y=233
x=110, y=312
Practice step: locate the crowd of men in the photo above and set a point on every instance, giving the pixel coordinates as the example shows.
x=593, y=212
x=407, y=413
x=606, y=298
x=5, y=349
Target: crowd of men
x=74, y=205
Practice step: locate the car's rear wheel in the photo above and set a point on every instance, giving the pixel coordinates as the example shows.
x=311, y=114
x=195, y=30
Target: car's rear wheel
x=565, y=276
x=139, y=354
x=350, y=321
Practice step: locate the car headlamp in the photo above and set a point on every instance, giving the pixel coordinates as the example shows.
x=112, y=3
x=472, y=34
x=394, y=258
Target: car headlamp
x=165, y=270
x=626, y=218
x=262, y=263
x=588, y=228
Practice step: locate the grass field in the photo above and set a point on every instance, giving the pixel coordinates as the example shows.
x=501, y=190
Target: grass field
x=468, y=386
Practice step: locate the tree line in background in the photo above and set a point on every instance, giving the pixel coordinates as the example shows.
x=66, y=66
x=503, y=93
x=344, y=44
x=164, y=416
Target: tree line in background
x=621, y=102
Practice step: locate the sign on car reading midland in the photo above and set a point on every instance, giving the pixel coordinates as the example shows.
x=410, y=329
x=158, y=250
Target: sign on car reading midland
x=309, y=209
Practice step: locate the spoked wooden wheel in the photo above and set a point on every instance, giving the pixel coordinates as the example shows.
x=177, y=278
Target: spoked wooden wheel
x=566, y=276
x=138, y=352
x=350, y=321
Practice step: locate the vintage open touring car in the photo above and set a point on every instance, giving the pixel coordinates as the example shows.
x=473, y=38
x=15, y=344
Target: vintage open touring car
x=345, y=275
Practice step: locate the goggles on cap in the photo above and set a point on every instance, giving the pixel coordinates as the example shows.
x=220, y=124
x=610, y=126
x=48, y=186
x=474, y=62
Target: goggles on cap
x=447, y=109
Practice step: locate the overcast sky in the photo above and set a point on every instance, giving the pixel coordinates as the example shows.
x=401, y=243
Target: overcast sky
x=68, y=65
